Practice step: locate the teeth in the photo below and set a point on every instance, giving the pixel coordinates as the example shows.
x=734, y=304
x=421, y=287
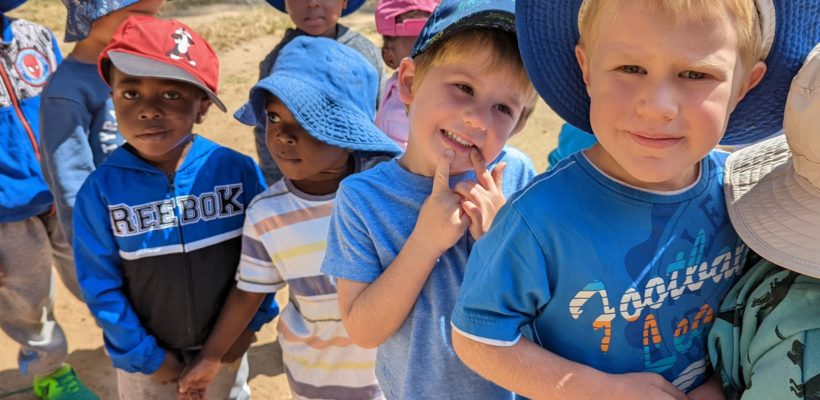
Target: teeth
x=457, y=139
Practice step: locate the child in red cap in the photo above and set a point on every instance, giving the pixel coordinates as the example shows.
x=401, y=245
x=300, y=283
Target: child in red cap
x=158, y=225
x=399, y=22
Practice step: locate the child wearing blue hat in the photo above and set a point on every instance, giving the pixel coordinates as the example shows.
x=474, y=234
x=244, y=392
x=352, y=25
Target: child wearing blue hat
x=615, y=261
x=319, y=121
x=31, y=236
x=318, y=18
x=79, y=128
x=401, y=232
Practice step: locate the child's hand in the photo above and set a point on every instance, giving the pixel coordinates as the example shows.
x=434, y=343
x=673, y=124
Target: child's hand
x=193, y=384
x=482, y=200
x=643, y=385
x=441, y=220
x=239, y=347
x=169, y=370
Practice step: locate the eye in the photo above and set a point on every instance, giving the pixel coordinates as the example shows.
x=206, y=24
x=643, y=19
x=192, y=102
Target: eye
x=130, y=94
x=694, y=75
x=273, y=118
x=632, y=69
x=464, y=88
x=172, y=95
x=504, y=109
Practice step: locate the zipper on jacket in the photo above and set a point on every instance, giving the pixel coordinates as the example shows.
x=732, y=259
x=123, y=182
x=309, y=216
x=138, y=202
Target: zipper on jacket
x=188, y=284
x=15, y=102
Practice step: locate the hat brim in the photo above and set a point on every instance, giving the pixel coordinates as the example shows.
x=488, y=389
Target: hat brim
x=548, y=33
x=352, y=5
x=774, y=210
x=323, y=118
x=135, y=65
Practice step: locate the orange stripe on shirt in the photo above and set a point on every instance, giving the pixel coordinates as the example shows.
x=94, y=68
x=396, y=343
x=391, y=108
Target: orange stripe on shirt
x=312, y=341
x=282, y=220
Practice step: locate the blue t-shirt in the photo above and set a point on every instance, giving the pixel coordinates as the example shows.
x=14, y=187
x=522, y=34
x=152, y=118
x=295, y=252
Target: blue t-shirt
x=78, y=132
x=604, y=274
x=375, y=213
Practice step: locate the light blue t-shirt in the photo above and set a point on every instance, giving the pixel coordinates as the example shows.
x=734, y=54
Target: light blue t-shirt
x=604, y=274
x=375, y=213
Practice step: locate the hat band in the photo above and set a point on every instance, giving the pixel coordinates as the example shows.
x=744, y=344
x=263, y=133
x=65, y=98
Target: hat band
x=807, y=169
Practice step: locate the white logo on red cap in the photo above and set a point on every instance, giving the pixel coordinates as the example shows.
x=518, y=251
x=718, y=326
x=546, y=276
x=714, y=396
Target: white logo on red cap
x=183, y=41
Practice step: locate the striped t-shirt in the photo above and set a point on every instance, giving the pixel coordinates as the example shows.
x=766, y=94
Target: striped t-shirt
x=283, y=243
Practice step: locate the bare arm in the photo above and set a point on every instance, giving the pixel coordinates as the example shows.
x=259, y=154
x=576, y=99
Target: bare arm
x=372, y=312
x=534, y=372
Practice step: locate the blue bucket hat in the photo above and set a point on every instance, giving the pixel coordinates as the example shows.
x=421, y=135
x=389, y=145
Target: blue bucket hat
x=352, y=5
x=331, y=91
x=453, y=16
x=83, y=13
x=548, y=33
x=8, y=5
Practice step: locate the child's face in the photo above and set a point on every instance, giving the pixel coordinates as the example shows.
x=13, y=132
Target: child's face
x=661, y=94
x=316, y=17
x=460, y=106
x=313, y=166
x=103, y=28
x=397, y=48
x=156, y=116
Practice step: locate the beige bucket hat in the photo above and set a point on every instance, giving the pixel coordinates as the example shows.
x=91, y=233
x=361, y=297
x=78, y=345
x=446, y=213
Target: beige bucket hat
x=773, y=188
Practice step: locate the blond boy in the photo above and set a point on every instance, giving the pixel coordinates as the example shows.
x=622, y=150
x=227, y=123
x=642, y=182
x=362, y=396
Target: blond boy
x=601, y=279
x=398, y=240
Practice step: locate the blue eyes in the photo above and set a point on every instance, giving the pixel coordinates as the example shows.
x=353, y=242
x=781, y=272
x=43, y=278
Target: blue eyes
x=692, y=75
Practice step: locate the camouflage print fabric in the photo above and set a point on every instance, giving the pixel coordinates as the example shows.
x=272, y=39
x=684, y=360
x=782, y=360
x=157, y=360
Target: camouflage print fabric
x=82, y=13
x=765, y=343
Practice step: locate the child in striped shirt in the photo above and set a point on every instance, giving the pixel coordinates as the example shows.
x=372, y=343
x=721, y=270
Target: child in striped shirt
x=319, y=114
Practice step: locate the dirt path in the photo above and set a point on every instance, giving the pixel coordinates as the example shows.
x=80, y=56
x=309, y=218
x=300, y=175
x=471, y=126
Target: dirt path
x=238, y=73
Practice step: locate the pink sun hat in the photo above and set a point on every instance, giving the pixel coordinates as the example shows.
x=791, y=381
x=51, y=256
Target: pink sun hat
x=388, y=10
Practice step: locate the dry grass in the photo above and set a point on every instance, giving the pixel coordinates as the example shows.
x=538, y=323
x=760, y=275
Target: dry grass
x=225, y=33
x=49, y=13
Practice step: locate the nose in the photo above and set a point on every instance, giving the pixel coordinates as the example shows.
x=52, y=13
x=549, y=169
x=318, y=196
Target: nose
x=150, y=111
x=475, y=118
x=312, y=3
x=284, y=137
x=658, y=100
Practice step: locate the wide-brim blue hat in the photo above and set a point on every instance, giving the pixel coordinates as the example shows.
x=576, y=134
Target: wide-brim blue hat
x=352, y=5
x=8, y=5
x=331, y=91
x=453, y=16
x=82, y=13
x=548, y=33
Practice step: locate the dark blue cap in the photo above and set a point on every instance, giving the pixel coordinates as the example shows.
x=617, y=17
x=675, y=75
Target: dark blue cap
x=453, y=16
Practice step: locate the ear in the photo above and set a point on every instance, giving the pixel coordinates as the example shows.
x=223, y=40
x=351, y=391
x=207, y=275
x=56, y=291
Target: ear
x=202, y=110
x=407, y=75
x=387, y=56
x=752, y=79
x=583, y=63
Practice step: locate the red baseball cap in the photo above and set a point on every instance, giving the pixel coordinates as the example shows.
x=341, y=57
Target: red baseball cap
x=388, y=10
x=168, y=49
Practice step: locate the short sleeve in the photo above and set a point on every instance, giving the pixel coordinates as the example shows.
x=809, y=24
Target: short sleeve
x=256, y=271
x=351, y=252
x=505, y=284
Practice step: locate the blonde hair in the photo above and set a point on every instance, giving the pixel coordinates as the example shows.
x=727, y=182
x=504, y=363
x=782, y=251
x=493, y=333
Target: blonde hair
x=505, y=56
x=741, y=14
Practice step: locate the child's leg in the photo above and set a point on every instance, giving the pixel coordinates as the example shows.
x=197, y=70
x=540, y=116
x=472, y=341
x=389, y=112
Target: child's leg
x=25, y=261
x=140, y=386
x=63, y=255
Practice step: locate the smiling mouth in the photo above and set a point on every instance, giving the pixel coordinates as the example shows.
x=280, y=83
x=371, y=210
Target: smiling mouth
x=455, y=139
x=657, y=142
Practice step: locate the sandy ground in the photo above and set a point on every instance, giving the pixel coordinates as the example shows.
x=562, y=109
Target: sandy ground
x=238, y=73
